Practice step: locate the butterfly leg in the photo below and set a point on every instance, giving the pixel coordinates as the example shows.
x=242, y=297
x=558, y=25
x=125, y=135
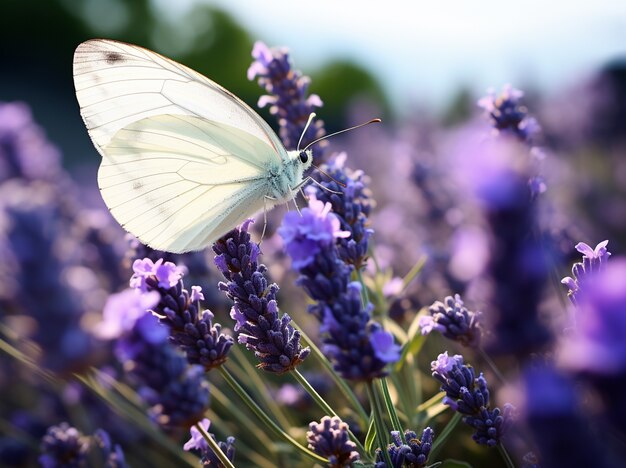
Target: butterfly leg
x=295, y=203
x=311, y=179
x=265, y=198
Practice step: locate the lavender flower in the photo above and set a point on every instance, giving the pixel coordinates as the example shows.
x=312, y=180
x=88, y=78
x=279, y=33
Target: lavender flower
x=176, y=393
x=112, y=454
x=330, y=439
x=208, y=457
x=200, y=339
x=355, y=344
x=25, y=152
x=274, y=341
x=596, y=345
x=508, y=114
x=413, y=454
x=196, y=266
x=351, y=204
x=469, y=395
x=33, y=274
x=560, y=431
x=287, y=97
x=452, y=319
x=594, y=261
x=64, y=445
x=518, y=259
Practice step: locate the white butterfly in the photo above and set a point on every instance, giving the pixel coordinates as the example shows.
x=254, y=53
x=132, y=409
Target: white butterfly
x=183, y=159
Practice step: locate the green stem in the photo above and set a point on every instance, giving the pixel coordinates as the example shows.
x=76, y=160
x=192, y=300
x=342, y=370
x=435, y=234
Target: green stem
x=492, y=365
x=414, y=271
x=364, y=294
x=243, y=418
x=259, y=387
x=381, y=430
x=323, y=405
x=391, y=410
x=341, y=384
x=214, y=446
x=505, y=456
x=265, y=418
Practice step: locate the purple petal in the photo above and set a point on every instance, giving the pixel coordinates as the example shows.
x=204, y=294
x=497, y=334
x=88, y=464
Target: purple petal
x=384, y=347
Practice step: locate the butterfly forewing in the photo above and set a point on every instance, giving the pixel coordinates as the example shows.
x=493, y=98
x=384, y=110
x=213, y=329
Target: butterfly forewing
x=117, y=84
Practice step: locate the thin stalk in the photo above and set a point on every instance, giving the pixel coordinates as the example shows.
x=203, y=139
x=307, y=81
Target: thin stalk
x=265, y=418
x=214, y=446
x=341, y=384
x=243, y=418
x=259, y=385
x=492, y=365
x=258, y=460
x=127, y=410
x=381, y=429
x=391, y=410
x=505, y=456
x=323, y=405
x=414, y=271
x=364, y=293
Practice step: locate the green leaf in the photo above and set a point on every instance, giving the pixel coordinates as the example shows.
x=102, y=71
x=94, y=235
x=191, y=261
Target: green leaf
x=414, y=343
x=370, y=438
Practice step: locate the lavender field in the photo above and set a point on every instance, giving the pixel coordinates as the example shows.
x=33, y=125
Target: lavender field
x=447, y=291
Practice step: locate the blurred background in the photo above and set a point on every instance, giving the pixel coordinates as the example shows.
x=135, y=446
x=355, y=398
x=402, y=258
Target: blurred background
x=405, y=58
x=421, y=67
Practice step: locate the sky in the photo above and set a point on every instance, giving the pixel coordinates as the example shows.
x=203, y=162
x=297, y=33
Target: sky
x=423, y=51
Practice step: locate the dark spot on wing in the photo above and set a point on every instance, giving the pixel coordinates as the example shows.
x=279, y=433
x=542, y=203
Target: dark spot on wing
x=113, y=57
x=137, y=185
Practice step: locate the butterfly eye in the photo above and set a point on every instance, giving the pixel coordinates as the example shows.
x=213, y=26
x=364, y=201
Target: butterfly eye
x=303, y=157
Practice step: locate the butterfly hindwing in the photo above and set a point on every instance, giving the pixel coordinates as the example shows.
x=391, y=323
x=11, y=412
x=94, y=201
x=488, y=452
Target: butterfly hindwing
x=175, y=182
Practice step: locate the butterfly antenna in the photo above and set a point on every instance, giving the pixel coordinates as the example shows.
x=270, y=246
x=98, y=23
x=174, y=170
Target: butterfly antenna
x=306, y=127
x=337, y=133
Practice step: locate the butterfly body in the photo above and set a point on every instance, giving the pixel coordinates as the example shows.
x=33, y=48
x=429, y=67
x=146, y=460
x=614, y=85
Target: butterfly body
x=183, y=159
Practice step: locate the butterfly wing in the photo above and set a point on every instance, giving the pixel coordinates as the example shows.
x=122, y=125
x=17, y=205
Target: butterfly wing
x=184, y=160
x=117, y=84
x=173, y=182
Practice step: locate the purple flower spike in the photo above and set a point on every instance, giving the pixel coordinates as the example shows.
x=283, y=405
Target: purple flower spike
x=452, y=319
x=596, y=345
x=347, y=193
x=274, y=341
x=63, y=445
x=414, y=453
x=508, y=114
x=469, y=395
x=594, y=261
x=192, y=331
x=330, y=439
x=357, y=346
x=287, y=97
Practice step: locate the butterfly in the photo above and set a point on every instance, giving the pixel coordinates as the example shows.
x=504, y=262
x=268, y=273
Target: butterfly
x=183, y=159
